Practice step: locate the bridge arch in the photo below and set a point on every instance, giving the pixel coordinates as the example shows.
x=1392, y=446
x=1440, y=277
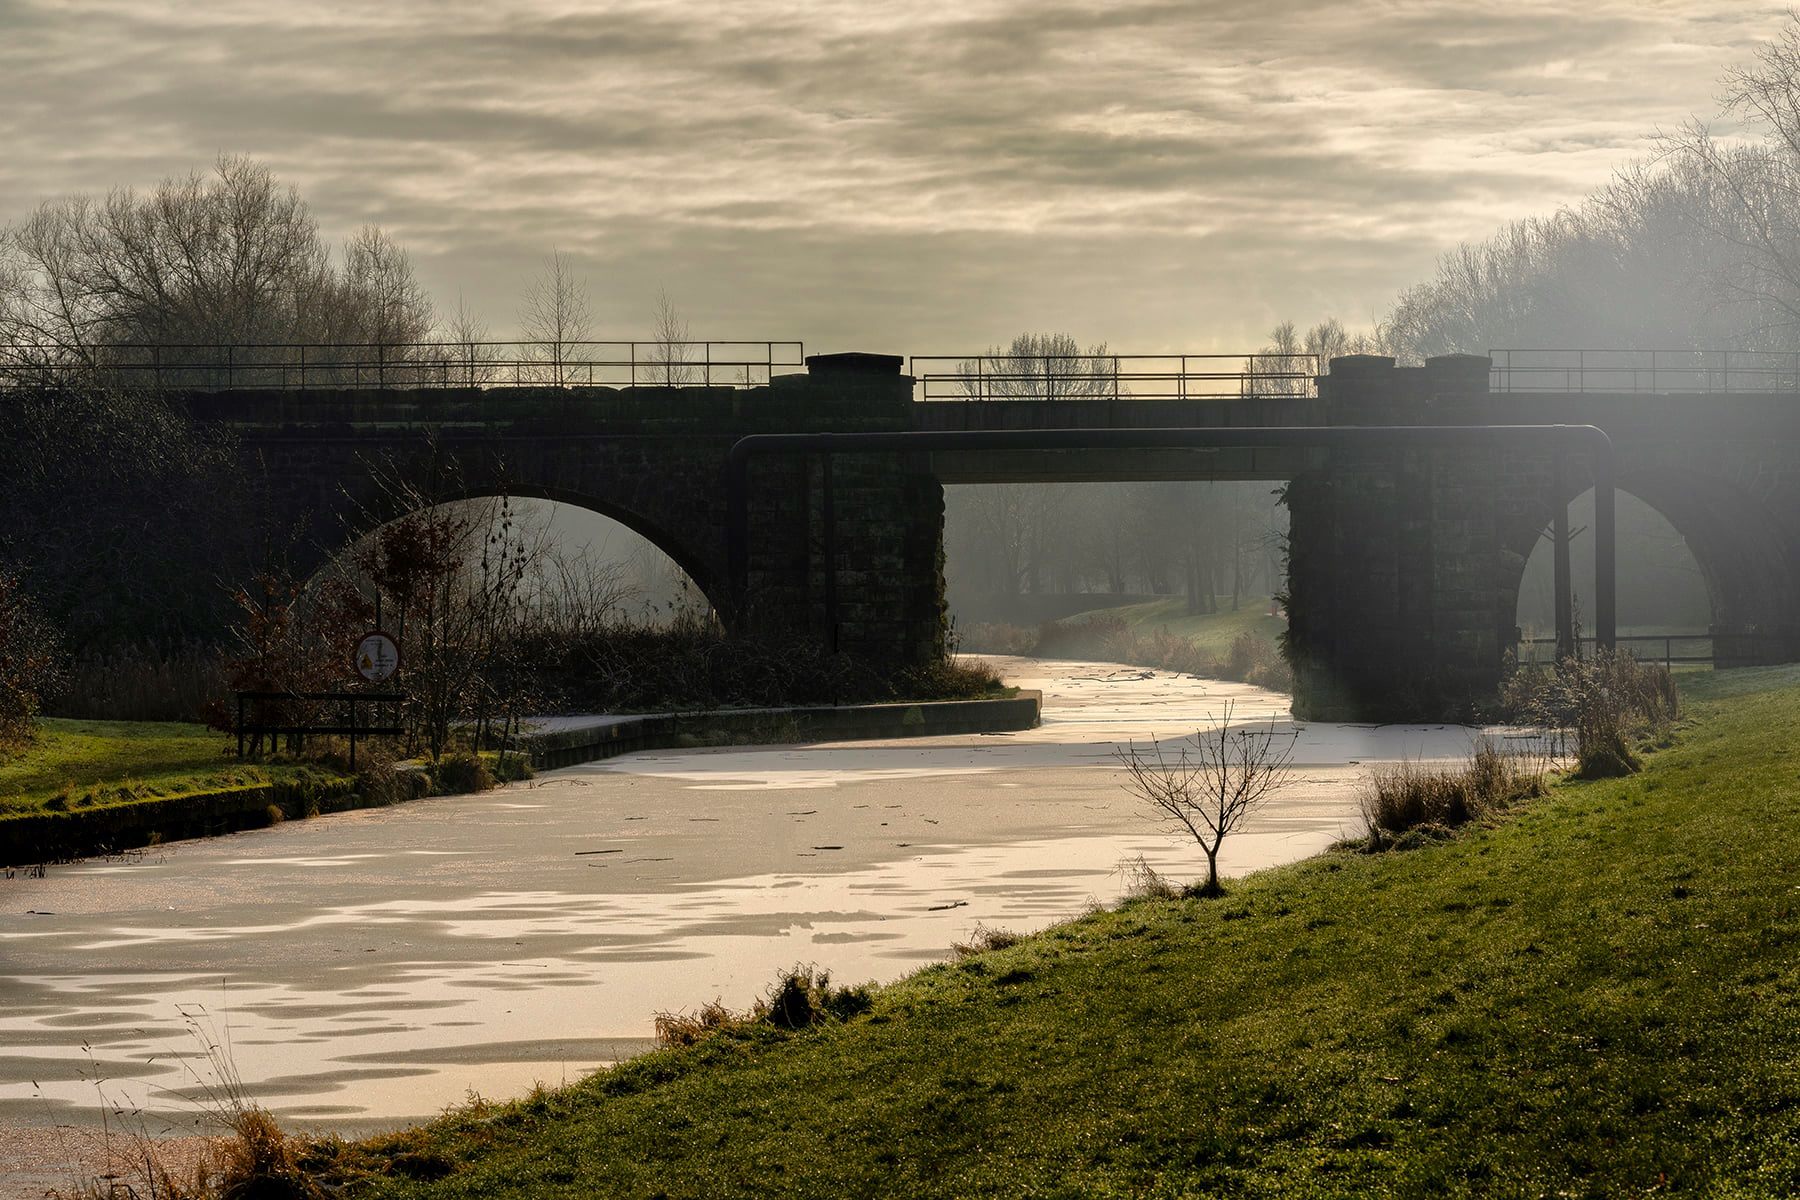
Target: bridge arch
x=664, y=544
x=1734, y=532
x=693, y=563
x=649, y=498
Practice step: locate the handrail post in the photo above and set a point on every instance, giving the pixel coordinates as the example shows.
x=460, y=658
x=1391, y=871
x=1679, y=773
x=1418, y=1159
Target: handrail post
x=1559, y=537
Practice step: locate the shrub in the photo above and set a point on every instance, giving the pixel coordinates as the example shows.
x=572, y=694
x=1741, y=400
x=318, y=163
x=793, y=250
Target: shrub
x=460, y=772
x=800, y=998
x=1606, y=700
x=996, y=637
x=986, y=938
x=261, y=1161
x=1408, y=797
x=680, y=1029
x=627, y=666
x=512, y=767
x=1257, y=660
x=1102, y=637
x=1145, y=882
x=950, y=677
x=1169, y=652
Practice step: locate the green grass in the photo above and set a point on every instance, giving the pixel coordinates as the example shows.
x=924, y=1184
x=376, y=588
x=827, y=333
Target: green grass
x=1597, y=996
x=92, y=763
x=1212, y=633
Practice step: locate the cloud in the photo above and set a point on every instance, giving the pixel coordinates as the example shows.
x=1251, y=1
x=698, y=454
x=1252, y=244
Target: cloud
x=1153, y=174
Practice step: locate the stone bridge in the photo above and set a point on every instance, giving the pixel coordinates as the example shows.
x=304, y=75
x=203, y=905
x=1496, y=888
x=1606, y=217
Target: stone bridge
x=1405, y=561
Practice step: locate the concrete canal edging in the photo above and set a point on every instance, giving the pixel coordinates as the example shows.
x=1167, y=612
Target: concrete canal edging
x=31, y=838
x=581, y=740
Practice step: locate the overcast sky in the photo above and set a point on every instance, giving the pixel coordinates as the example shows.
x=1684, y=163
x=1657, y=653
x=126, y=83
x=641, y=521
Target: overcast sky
x=900, y=177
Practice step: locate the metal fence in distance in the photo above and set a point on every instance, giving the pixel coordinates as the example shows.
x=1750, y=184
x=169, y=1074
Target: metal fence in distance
x=282, y=366
x=1112, y=376
x=1677, y=649
x=1644, y=371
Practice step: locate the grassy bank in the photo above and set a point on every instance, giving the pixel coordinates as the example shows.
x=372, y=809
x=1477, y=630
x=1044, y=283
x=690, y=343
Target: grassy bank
x=1598, y=996
x=91, y=787
x=95, y=763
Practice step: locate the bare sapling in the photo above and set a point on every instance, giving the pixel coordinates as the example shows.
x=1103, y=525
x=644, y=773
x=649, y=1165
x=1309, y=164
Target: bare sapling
x=1210, y=783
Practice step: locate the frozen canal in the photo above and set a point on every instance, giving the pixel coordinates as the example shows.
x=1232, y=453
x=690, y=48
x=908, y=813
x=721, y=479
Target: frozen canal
x=371, y=968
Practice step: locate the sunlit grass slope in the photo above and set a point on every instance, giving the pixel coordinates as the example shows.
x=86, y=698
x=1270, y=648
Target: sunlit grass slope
x=107, y=760
x=1598, y=996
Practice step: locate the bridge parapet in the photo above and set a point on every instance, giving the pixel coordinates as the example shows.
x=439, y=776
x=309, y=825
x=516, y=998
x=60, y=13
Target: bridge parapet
x=1406, y=560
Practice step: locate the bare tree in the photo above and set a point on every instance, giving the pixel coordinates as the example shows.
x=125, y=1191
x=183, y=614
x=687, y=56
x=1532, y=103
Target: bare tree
x=1281, y=368
x=1269, y=367
x=380, y=300
x=14, y=290
x=1215, y=780
x=1040, y=366
x=207, y=261
x=469, y=356
x=576, y=595
x=670, y=348
x=556, y=315
x=1752, y=190
x=1009, y=532
x=1696, y=246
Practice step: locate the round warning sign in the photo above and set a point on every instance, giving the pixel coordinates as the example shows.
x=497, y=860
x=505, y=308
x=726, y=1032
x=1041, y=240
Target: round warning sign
x=377, y=657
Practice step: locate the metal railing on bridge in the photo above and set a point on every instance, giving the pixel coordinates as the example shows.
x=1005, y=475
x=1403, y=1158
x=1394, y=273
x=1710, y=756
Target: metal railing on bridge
x=1644, y=371
x=1112, y=376
x=297, y=366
